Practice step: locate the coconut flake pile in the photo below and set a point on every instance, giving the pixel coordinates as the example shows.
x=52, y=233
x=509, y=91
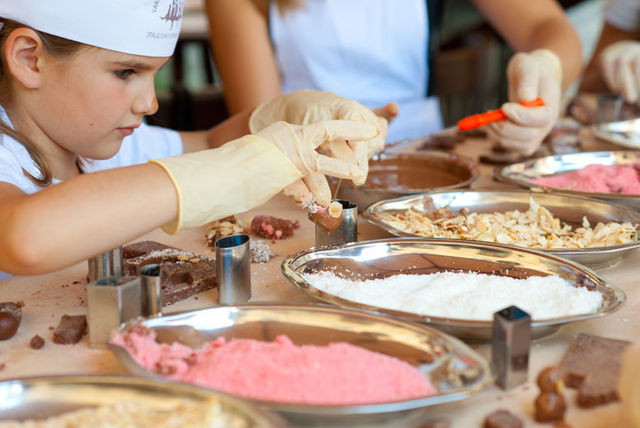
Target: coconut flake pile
x=469, y=296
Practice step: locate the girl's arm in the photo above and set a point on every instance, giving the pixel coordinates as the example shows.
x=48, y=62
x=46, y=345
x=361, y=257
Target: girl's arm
x=528, y=25
x=241, y=46
x=81, y=217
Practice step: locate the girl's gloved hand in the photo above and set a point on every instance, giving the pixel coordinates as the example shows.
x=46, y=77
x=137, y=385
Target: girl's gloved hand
x=304, y=107
x=620, y=65
x=299, y=143
x=246, y=172
x=531, y=75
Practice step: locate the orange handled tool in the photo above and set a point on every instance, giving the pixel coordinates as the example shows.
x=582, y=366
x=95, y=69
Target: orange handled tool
x=478, y=120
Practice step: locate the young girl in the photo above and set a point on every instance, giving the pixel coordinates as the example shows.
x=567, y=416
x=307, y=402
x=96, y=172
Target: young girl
x=80, y=173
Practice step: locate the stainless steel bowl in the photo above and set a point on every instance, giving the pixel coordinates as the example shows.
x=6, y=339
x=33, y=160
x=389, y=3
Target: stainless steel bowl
x=386, y=257
x=44, y=397
x=399, y=174
x=625, y=133
x=456, y=370
x=568, y=208
x=522, y=173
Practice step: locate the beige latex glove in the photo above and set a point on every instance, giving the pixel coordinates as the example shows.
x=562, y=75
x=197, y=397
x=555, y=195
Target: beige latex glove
x=531, y=75
x=629, y=384
x=244, y=173
x=620, y=65
x=308, y=106
x=314, y=187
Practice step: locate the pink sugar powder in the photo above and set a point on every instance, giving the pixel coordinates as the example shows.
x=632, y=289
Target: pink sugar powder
x=337, y=374
x=597, y=178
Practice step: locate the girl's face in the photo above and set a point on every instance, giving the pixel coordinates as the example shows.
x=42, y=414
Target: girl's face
x=93, y=99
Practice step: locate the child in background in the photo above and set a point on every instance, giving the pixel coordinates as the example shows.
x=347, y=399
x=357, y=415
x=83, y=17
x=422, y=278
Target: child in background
x=377, y=51
x=80, y=173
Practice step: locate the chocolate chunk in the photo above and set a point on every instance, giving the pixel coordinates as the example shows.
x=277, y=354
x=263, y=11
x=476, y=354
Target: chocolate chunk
x=10, y=316
x=182, y=274
x=70, y=329
x=591, y=365
x=271, y=227
x=502, y=419
x=36, y=342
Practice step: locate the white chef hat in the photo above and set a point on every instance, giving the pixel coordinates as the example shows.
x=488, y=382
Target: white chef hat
x=138, y=27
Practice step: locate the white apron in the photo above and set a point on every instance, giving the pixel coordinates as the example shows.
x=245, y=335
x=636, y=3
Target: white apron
x=373, y=51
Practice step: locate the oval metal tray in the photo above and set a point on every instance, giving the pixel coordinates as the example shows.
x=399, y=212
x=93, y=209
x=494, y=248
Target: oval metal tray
x=389, y=168
x=522, y=173
x=44, y=397
x=456, y=371
x=568, y=208
x=386, y=257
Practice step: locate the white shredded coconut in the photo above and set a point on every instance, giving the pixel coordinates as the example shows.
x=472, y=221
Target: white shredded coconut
x=469, y=296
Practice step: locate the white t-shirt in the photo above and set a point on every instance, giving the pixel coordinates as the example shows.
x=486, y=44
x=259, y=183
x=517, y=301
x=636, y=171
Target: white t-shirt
x=147, y=142
x=372, y=51
x=623, y=14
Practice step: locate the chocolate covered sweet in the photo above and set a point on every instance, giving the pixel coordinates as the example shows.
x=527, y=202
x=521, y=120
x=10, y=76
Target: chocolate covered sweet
x=10, y=316
x=36, y=342
x=70, y=329
x=182, y=273
x=271, y=227
x=591, y=365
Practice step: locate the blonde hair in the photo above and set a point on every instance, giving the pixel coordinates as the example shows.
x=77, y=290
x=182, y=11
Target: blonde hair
x=56, y=46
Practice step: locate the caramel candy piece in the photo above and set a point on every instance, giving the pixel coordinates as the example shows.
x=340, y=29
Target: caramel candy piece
x=10, y=316
x=70, y=329
x=502, y=419
x=550, y=380
x=550, y=407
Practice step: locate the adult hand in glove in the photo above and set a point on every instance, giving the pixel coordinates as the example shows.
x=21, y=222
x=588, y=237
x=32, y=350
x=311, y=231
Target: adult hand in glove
x=531, y=75
x=246, y=172
x=620, y=65
x=308, y=106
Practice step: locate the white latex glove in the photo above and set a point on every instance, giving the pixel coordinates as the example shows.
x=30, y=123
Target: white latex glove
x=244, y=173
x=629, y=384
x=308, y=106
x=531, y=75
x=620, y=65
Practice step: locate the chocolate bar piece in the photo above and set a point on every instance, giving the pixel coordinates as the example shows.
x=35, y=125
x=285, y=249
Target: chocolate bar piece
x=502, y=419
x=591, y=365
x=70, y=329
x=10, y=316
x=182, y=273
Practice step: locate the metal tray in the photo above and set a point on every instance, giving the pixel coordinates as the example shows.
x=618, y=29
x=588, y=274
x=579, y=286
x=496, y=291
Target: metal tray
x=568, y=208
x=456, y=371
x=386, y=257
x=387, y=179
x=44, y=397
x=522, y=173
x=625, y=133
